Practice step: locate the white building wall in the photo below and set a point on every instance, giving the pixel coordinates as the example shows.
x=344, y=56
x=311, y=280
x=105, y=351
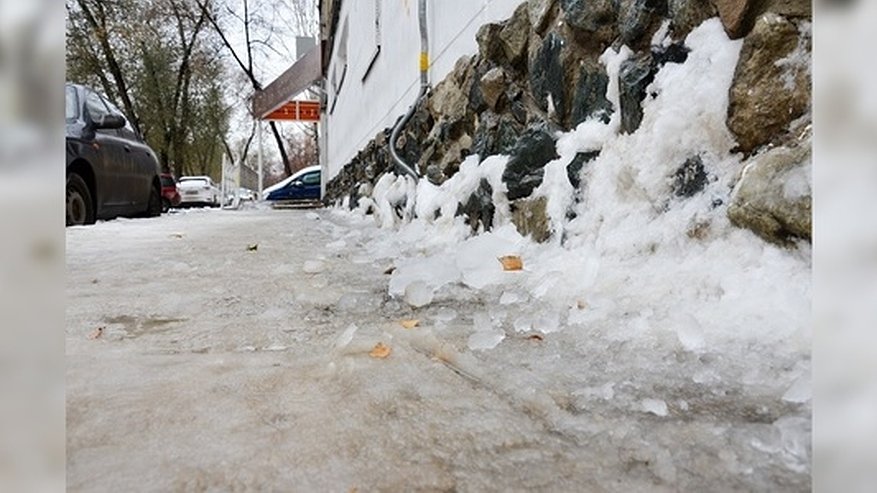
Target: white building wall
x=363, y=107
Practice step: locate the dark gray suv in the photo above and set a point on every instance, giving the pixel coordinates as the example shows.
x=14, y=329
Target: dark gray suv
x=111, y=171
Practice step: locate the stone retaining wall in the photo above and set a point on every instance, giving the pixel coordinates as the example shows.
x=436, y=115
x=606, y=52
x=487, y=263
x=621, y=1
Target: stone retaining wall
x=539, y=72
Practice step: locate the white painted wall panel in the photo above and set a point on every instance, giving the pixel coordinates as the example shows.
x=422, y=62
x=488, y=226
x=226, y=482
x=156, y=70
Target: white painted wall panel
x=362, y=108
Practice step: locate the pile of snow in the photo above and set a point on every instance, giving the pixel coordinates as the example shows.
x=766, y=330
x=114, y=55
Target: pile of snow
x=636, y=257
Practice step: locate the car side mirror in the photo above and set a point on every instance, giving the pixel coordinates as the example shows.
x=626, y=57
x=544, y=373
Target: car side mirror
x=297, y=183
x=109, y=121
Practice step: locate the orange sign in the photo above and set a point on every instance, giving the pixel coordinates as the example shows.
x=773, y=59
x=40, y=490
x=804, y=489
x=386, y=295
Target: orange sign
x=301, y=111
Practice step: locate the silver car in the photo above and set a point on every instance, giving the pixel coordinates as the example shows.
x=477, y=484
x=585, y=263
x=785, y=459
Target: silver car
x=198, y=190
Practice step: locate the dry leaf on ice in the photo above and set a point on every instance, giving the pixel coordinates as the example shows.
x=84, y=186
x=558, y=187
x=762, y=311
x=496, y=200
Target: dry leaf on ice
x=177, y=235
x=96, y=333
x=253, y=247
x=380, y=351
x=390, y=270
x=409, y=324
x=511, y=262
x=581, y=304
x=536, y=337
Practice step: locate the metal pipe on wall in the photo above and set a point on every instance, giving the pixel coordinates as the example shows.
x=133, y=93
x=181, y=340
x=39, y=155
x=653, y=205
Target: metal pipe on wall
x=424, y=87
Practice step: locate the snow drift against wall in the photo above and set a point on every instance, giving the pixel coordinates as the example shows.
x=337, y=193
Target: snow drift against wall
x=631, y=259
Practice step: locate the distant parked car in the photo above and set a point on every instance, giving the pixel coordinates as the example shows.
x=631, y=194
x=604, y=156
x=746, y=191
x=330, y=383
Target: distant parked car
x=198, y=190
x=242, y=194
x=302, y=185
x=111, y=171
x=170, y=197
x=246, y=194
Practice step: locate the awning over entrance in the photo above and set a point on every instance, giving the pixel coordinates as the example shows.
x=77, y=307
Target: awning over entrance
x=275, y=102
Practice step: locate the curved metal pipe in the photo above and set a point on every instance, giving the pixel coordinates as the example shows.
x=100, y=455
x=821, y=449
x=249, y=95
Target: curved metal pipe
x=424, y=87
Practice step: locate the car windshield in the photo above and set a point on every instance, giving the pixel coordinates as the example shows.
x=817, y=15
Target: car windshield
x=193, y=181
x=71, y=111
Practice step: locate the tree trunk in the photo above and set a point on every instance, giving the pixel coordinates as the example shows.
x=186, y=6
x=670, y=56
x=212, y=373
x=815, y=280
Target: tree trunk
x=286, y=166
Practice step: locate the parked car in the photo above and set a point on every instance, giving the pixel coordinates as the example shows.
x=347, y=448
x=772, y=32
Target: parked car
x=170, y=196
x=242, y=194
x=302, y=185
x=246, y=194
x=111, y=171
x=198, y=190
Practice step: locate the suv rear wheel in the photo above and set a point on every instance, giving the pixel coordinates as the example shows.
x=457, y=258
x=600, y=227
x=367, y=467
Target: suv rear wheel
x=80, y=209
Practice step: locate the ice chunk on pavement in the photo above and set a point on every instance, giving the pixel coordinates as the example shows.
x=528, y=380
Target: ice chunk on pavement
x=419, y=294
x=655, y=406
x=485, y=339
x=509, y=298
x=690, y=333
x=313, y=267
x=605, y=392
x=562, y=274
x=445, y=315
x=434, y=272
x=482, y=321
x=799, y=392
x=346, y=336
x=349, y=302
x=545, y=322
x=477, y=259
x=548, y=322
x=524, y=323
x=795, y=440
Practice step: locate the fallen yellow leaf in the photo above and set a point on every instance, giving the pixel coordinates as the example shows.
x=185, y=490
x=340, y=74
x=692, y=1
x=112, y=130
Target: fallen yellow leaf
x=409, y=324
x=380, y=351
x=96, y=333
x=511, y=262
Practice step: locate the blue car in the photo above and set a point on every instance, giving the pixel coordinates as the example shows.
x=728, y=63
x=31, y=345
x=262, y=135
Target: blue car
x=302, y=185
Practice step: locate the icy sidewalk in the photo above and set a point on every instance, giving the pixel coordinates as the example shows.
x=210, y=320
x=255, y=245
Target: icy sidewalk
x=647, y=327
x=223, y=367
x=687, y=365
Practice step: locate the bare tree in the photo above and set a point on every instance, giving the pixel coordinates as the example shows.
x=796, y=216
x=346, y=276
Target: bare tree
x=163, y=70
x=259, y=36
x=98, y=18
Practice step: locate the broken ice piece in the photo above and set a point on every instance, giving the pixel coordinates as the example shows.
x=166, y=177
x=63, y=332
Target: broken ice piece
x=418, y=294
x=485, y=339
x=655, y=406
x=346, y=336
x=313, y=267
x=509, y=297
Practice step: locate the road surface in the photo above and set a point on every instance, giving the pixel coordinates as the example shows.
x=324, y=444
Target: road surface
x=214, y=350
